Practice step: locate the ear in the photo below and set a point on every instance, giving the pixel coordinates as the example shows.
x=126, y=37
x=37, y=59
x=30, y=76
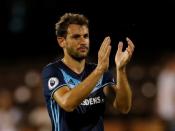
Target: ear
x=61, y=41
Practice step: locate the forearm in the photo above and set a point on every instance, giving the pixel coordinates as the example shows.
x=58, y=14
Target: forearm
x=75, y=96
x=123, y=92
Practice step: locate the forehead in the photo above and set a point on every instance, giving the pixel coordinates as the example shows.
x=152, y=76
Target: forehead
x=77, y=29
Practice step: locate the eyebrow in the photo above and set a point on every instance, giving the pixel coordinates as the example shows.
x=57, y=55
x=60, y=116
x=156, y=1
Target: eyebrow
x=78, y=35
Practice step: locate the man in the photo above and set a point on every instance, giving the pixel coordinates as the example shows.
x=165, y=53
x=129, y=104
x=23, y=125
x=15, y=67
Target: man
x=73, y=88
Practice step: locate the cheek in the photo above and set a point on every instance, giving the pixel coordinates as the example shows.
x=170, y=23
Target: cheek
x=72, y=45
x=73, y=42
x=88, y=42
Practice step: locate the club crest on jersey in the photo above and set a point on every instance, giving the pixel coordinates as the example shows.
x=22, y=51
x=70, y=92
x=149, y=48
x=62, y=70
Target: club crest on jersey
x=53, y=82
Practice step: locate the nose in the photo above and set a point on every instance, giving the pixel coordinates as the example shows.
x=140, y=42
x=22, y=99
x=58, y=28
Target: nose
x=82, y=39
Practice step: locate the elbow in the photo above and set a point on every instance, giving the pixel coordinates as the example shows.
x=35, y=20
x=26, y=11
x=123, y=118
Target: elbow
x=122, y=108
x=67, y=109
x=67, y=106
x=125, y=110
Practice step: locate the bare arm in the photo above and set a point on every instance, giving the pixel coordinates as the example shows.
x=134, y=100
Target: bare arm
x=123, y=97
x=70, y=99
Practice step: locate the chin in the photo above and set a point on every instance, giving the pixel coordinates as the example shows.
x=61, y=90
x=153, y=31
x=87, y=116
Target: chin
x=82, y=55
x=79, y=58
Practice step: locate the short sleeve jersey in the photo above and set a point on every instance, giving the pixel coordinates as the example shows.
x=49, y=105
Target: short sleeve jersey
x=88, y=116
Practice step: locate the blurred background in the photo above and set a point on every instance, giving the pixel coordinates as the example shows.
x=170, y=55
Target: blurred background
x=28, y=43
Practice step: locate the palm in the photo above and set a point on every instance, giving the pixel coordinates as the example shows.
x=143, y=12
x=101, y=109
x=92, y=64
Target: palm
x=123, y=57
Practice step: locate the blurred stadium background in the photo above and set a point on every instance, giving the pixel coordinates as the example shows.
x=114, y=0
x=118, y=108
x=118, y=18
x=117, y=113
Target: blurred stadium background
x=28, y=43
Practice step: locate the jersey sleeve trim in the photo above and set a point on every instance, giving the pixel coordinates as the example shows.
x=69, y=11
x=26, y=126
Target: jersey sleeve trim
x=109, y=83
x=56, y=89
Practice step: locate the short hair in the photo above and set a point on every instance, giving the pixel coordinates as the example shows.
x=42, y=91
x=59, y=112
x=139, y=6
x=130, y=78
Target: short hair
x=69, y=18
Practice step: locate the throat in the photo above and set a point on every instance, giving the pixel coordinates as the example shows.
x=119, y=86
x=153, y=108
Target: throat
x=75, y=66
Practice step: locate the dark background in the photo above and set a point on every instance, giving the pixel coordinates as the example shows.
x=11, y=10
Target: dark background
x=27, y=26
x=28, y=43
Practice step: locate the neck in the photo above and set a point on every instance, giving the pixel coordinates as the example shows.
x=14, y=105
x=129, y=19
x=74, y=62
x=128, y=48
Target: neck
x=76, y=66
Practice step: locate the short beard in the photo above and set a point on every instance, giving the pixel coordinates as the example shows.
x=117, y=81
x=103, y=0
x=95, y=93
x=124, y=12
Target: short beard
x=76, y=56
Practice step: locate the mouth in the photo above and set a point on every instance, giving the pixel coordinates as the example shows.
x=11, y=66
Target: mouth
x=83, y=48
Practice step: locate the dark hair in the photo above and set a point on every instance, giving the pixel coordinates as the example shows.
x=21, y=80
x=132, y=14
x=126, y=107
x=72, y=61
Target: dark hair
x=67, y=19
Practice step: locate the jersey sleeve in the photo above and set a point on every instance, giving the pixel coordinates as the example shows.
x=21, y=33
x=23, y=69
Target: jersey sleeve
x=108, y=79
x=52, y=80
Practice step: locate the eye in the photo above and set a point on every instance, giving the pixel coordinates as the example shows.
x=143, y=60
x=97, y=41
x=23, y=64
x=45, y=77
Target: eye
x=86, y=36
x=76, y=36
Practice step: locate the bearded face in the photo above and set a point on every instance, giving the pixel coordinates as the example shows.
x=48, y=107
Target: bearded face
x=77, y=42
x=78, y=53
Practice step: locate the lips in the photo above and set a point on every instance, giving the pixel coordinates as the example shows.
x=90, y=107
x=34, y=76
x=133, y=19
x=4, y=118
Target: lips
x=83, y=48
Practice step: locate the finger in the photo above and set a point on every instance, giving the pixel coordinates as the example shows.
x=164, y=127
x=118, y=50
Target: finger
x=130, y=43
x=107, y=53
x=104, y=45
x=120, y=47
x=129, y=51
x=108, y=50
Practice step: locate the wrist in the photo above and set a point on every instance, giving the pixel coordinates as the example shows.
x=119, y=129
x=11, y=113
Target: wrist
x=98, y=71
x=121, y=69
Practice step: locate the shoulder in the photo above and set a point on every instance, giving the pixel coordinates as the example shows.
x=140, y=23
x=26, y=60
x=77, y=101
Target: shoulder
x=52, y=67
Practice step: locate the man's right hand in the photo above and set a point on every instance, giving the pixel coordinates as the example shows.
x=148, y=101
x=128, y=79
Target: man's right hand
x=103, y=55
